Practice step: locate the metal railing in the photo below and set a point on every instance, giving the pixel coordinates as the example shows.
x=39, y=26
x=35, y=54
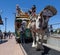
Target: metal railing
x=55, y=27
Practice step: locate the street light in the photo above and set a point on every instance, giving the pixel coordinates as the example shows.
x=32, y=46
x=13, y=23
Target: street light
x=5, y=24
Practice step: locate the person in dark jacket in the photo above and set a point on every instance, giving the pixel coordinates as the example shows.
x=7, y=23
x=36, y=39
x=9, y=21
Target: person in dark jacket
x=22, y=31
x=1, y=35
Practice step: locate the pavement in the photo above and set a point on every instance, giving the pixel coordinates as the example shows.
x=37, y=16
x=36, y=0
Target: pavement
x=10, y=47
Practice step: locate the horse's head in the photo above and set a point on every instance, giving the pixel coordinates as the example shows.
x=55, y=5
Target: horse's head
x=43, y=21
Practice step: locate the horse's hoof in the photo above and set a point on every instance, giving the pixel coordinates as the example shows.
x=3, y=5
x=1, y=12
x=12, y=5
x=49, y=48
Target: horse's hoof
x=41, y=47
x=38, y=49
x=33, y=45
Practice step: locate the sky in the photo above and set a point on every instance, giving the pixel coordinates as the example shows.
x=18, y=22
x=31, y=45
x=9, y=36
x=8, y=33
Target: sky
x=8, y=8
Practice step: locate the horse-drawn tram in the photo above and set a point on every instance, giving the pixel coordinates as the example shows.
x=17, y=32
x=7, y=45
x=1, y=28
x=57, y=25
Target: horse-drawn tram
x=38, y=25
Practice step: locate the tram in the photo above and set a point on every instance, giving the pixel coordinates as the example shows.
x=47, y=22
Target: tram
x=20, y=16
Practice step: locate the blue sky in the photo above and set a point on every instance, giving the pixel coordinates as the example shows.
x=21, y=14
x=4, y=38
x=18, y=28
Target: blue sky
x=8, y=7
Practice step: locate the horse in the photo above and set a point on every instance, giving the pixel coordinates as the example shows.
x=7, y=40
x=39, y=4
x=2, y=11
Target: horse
x=39, y=26
x=37, y=29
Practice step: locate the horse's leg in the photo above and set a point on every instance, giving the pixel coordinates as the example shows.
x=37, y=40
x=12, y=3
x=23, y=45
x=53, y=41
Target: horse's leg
x=47, y=35
x=37, y=38
x=37, y=41
x=34, y=39
x=42, y=39
x=41, y=45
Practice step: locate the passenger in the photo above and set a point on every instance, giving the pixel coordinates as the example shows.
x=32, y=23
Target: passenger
x=5, y=34
x=9, y=34
x=51, y=29
x=22, y=31
x=1, y=35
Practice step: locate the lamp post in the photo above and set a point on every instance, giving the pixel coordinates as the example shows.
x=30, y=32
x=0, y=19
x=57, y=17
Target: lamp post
x=5, y=24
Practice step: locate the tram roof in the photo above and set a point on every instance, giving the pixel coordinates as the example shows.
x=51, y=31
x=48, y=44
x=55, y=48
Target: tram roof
x=22, y=18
